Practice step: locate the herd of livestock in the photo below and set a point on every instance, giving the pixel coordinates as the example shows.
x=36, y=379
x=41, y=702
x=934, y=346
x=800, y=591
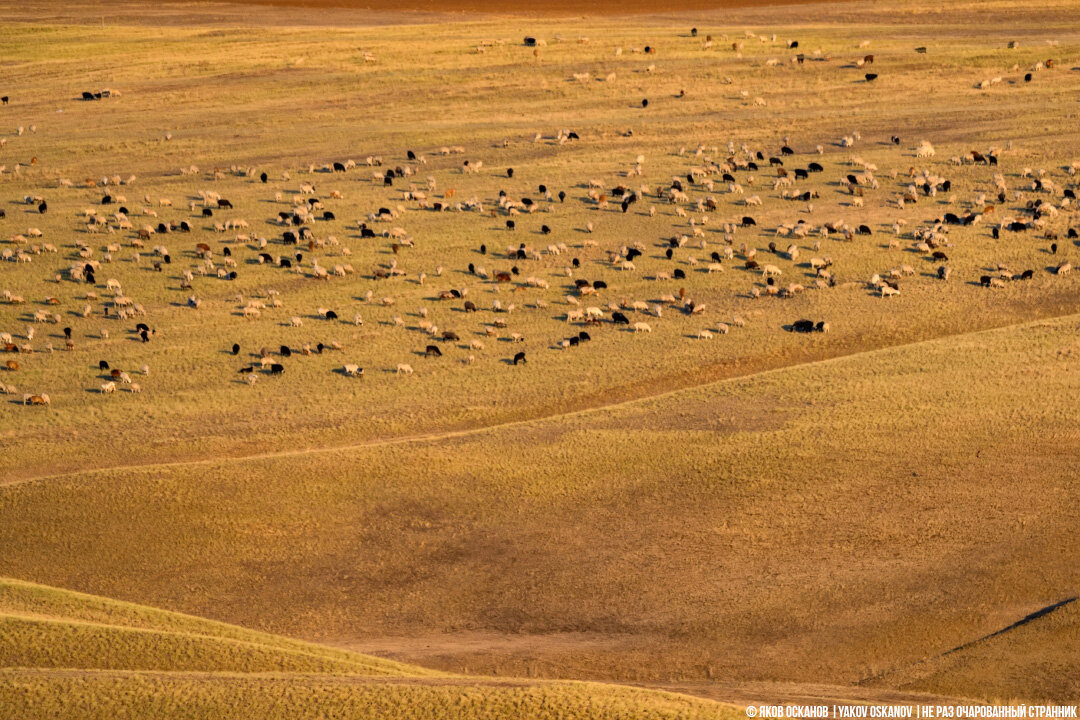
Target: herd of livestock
x=705, y=221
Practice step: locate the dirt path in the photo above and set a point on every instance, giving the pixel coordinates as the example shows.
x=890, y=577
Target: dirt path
x=424, y=649
x=591, y=407
x=737, y=692
x=725, y=692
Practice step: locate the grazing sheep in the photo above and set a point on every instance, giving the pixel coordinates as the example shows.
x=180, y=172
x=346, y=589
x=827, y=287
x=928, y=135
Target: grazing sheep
x=887, y=291
x=296, y=322
x=353, y=370
x=107, y=388
x=642, y=327
x=704, y=335
x=404, y=369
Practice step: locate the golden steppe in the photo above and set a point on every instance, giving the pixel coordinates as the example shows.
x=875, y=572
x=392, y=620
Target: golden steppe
x=868, y=514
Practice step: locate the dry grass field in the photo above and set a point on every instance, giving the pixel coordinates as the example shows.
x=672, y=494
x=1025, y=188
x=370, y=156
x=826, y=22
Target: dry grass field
x=760, y=514
x=70, y=655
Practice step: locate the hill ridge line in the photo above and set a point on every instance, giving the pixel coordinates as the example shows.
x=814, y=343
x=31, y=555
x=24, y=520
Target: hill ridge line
x=468, y=432
x=1029, y=618
x=370, y=663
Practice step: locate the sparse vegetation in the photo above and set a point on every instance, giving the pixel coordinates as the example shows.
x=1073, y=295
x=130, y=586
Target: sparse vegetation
x=716, y=499
x=142, y=662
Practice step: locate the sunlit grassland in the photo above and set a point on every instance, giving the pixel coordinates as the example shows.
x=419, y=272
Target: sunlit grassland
x=652, y=507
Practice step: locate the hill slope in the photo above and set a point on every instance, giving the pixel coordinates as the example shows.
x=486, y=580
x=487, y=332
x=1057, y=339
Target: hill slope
x=65, y=654
x=1030, y=658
